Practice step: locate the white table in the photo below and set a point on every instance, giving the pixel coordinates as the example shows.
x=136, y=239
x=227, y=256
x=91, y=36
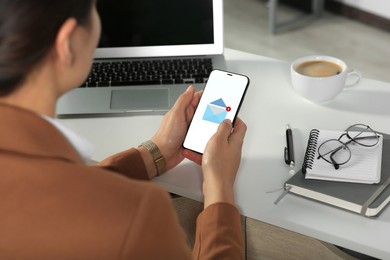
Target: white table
x=269, y=105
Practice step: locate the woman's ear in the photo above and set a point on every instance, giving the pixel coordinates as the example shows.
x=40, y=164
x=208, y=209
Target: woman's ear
x=63, y=46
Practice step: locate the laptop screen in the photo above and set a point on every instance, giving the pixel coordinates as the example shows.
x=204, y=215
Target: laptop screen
x=135, y=23
x=160, y=28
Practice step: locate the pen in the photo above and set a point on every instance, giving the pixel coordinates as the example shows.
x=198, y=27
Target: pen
x=289, y=149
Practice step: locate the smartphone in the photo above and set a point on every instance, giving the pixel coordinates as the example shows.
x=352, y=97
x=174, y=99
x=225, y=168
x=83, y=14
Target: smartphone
x=221, y=99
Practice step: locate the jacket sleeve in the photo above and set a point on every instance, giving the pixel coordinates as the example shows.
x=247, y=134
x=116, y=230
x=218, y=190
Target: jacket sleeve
x=128, y=163
x=218, y=233
x=155, y=232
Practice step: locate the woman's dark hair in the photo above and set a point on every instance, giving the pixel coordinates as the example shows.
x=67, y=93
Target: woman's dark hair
x=28, y=29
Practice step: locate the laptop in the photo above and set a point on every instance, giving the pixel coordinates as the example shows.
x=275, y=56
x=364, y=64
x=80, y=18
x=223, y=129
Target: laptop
x=140, y=42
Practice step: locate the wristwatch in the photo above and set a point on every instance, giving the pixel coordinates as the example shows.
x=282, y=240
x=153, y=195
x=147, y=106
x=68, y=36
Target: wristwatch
x=158, y=158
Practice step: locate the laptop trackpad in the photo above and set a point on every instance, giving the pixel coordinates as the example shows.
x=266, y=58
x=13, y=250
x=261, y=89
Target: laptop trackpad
x=140, y=99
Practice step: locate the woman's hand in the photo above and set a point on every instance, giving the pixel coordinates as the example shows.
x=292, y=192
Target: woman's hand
x=220, y=162
x=170, y=136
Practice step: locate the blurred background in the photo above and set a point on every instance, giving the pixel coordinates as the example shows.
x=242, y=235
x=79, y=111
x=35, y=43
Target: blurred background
x=356, y=31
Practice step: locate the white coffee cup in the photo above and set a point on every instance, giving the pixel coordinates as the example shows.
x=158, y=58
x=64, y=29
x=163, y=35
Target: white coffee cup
x=317, y=79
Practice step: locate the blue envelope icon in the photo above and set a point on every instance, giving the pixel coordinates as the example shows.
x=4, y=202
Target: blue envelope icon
x=215, y=112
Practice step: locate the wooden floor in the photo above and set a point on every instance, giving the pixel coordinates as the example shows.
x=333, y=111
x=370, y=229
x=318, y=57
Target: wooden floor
x=361, y=46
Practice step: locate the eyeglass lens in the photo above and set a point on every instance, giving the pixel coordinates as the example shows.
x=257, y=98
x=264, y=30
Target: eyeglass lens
x=334, y=151
x=364, y=136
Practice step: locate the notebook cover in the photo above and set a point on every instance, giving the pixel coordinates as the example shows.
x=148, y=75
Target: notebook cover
x=351, y=192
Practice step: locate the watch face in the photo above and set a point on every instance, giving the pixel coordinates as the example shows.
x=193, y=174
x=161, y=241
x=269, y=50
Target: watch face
x=161, y=164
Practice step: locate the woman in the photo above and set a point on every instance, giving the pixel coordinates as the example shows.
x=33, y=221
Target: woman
x=52, y=205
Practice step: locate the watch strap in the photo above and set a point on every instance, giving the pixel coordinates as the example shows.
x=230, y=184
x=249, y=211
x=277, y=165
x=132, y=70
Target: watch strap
x=158, y=158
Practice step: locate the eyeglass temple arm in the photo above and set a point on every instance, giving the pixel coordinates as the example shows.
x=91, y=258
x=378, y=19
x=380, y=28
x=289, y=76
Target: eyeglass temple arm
x=335, y=164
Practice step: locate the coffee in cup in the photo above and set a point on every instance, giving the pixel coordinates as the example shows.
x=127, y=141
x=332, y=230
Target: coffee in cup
x=318, y=68
x=321, y=78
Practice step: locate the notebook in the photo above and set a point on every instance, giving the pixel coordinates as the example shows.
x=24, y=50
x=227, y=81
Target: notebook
x=363, y=166
x=365, y=199
x=151, y=34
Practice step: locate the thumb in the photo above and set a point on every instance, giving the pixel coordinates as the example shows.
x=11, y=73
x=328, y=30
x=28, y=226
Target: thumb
x=224, y=129
x=185, y=99
x=239, y=132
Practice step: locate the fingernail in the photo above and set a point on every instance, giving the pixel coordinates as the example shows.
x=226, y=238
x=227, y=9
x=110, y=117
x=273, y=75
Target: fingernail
x=227, y=120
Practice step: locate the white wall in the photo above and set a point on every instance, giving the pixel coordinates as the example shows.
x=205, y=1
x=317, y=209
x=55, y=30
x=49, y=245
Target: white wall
x=377, y=7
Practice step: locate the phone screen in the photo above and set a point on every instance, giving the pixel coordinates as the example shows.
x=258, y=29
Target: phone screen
x=221, y=99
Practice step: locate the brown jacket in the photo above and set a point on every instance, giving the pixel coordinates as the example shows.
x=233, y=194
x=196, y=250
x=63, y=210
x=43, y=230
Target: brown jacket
x=53, y=206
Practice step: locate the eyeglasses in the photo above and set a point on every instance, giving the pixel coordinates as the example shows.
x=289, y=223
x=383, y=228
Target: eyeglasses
x=336, y=151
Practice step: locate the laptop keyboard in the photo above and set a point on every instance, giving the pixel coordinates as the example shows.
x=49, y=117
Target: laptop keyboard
x=148, y=72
